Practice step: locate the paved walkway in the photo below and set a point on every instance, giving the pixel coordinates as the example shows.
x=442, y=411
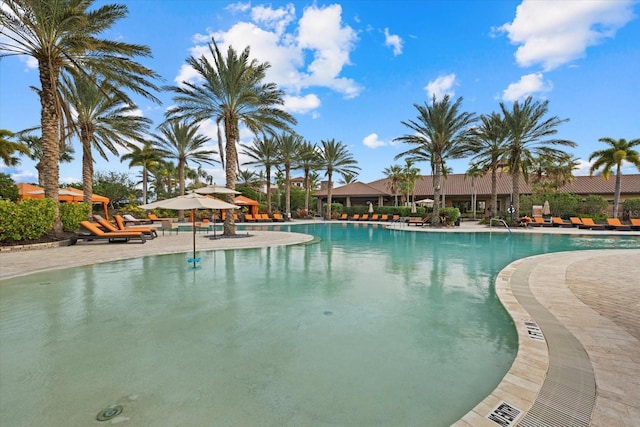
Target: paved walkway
x=594, y=295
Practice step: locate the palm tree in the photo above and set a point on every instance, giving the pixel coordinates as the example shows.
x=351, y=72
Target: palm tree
x=474, y=172
x=62, y=37
x=232, y=92
x=164, y=176
x=102, y=121
x=348, y=178
x=409, y=177
x=146, y=157
x=180, y=140
x=551, y=172
x=288, y=146
x=620, y=150
x=394, y=176
x=527, y=129
x=335, y=157
x=488, y=145
x=248, y=178
x=9, y=148
x=263, y=153
x=308, y=161
x=440, y=132
x=34, y=143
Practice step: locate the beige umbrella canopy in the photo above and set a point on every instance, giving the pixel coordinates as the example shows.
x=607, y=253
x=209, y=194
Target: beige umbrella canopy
x=190, y=201
x=546, y=210
x=215, y=189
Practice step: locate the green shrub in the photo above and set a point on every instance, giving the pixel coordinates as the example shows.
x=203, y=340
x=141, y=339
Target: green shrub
x=632, y=206
x=594, y=206
x=72, y=213
x=450, y=215
x=8, y=188
x=26, y=220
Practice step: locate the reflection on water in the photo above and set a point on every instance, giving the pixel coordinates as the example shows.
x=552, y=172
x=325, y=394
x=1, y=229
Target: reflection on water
x=415, y=332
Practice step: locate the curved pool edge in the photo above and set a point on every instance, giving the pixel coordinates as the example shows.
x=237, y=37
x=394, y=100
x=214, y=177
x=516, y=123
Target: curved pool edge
x=524, y=381
x=21, y=263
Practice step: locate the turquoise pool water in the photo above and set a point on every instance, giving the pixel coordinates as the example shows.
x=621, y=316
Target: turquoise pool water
x=367, y=326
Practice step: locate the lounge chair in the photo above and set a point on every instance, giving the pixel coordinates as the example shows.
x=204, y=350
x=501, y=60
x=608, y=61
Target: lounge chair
x=128, y=219
x=250, y=218
x=418, y=221
x=539, y=222
x=92, y=232
x=364, y=217
x=355, y=217
x=615, y=224
x=575, y=221
x=278, y=217
x=395, y=218
x=151, y=231
x=375, y=217
x=635, y=223
x=556, y=221
x=264, y=218
x=589, y=224
x=344, y=217
x=154, y=218
x=384, y=217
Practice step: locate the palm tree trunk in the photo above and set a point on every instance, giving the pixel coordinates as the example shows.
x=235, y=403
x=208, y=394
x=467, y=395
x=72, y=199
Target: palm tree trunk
x=515, y=191
x=50, y=139
x=87, y=168
x=145, y=182
x=493, y=209
x=268, y=177
x=181, y=185
x=306, y=191
x=287, y=190
x=435, y=218
x=329, y=193
x=231, y=133
x=616, y=196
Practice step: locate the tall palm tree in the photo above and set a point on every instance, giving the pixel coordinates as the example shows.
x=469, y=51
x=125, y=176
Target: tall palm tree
x=181, y=141
x=62, y=36
x=488, y=146
x=394, y=176
x=308, y=161
x=231, y=92
x=335, y=157
x=34, y=143
x=440, y=132
x=263, y=153
x=528, y=128
x=101, y=121
x=146, y=156
x=164, y=177
x=619, y=151
x=288, y=147
x=408, y=181
x=474, y=172
x=348, y=178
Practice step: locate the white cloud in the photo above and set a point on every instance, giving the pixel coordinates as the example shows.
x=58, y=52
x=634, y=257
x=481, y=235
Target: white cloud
x=527, y=85
x=238, y=7
x=553, y=33
x=372, y=141
x=301, y=104
x=318, y=35
x=441, y=86
x=394, y=41
x=582, y=168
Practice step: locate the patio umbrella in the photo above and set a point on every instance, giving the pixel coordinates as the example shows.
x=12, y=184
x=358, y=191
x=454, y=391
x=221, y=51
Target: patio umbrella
x=215, y=189
x=61, y=192
x=424, y=202
x=370, y=207
x=546, y=210
x=190, y=201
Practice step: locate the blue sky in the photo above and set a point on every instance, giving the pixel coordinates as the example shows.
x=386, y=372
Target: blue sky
x=353, y=70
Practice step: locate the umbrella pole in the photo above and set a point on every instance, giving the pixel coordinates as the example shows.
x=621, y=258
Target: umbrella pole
x=193, y=226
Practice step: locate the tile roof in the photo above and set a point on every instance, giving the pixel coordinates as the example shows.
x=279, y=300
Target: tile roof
x=460, y=185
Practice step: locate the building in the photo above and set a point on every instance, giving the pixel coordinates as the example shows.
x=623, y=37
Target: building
x=457, y=190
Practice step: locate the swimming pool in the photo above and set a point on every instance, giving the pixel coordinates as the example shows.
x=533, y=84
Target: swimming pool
x=367, y=326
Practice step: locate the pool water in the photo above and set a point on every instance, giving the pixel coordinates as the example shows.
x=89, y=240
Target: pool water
x=365, y=326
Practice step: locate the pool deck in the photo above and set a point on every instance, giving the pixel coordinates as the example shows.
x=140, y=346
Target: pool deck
x=577, y=315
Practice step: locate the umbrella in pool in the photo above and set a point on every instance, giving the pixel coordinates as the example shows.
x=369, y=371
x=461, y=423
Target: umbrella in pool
x=190, y=201
x=215, y=189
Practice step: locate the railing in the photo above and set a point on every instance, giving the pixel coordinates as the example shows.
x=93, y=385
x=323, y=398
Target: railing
x=500, y=221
